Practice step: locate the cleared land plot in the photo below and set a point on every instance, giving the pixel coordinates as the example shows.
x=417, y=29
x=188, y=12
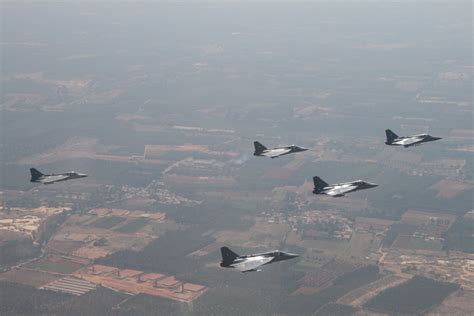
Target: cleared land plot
x=449, y=189
x=91, y=252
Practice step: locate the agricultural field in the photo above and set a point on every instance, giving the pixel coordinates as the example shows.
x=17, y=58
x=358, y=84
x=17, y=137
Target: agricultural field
x=415, y=296
x=55, y=265
x=164, y=125
x=460, y=235
x=449, y=189
x=363, y=244
x=29, y=277
x=132, y=226
x=64, y=247
x=108, y=222
x=413, y=243
x=458, y=303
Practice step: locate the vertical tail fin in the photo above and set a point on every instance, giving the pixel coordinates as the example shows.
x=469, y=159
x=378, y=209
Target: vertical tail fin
x=319, y=184
x=228, y=256
x=259, y=147
x=391, y=136
x=35, y=174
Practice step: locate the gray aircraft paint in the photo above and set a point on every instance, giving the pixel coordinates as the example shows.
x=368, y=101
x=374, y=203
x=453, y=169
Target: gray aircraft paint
x=252, y=263
x=261, y=150
x=393, y=139
x=340, y=189
x=38, y=177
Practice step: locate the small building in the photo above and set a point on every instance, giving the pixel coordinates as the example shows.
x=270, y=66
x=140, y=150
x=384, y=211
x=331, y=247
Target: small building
x=150, y=277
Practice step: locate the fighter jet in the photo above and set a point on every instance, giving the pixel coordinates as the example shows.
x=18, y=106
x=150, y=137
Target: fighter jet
x=251, y=263
x=340, y=189
x=38, y=177
x=407, y=141
x=261, y=150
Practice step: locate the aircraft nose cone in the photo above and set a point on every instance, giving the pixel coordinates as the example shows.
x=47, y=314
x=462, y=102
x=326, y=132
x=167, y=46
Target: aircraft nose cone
x=292, y=255
x=83, y=175
x=373, y=185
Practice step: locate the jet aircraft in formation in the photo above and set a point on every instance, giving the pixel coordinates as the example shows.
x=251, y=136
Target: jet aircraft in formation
x=251, y=263
x=340, y=189
x=38, y=177
x=261, y=150
x=407, y=141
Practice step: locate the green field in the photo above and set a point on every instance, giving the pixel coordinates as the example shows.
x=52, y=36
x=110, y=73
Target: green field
x=132, y=226
x=412, y=297
x=108, y=222
x=65, y=268
x=410, y=242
